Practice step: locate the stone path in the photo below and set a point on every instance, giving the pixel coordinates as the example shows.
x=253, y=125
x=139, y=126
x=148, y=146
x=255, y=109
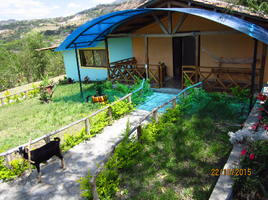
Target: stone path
x=61, y=184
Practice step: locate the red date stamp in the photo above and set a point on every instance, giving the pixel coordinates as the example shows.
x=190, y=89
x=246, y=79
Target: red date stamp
x=231, y=172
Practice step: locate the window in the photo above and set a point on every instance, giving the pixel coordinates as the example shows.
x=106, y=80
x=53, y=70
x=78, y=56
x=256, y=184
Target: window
x=93, y=58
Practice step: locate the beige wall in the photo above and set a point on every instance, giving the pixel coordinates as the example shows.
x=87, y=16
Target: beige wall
x=226, y=46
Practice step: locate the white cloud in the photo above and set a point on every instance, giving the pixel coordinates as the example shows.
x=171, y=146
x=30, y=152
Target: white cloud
x=73, y=5
x=23, y=9
x=55, y=7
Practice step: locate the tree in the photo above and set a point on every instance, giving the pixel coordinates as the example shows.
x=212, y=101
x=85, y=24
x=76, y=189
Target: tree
x=38, y=59
x=8, y=69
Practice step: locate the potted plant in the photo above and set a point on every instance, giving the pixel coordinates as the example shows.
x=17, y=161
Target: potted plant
x=99, y=96
x=46, y=84
x=46, y=90
x=86, y=79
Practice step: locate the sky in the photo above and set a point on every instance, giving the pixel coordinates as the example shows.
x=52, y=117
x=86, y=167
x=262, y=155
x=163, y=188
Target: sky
x=40, y=9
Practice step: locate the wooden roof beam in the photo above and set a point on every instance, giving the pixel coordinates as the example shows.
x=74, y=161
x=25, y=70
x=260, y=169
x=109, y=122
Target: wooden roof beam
x=180, y=23
x=175, y=3
x=160, y=23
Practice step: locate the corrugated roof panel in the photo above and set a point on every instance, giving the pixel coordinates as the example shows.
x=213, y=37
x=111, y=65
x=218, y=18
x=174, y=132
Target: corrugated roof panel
x=98, y=28
x=104, y=25
x=86, y=38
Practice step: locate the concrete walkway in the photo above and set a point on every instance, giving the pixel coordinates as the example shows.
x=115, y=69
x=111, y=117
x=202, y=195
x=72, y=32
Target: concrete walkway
x=61, y=184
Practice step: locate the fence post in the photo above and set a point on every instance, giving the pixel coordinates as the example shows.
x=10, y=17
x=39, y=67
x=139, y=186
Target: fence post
x=141, y=93
x=174, y=103
x=8, y=159
x=47, y=139
x=94, y=190
x=155, y=116
x=139, y=133
x=129, y=99
x=2, y=101
x=26, y=95
x=110, y=113
x=185, y=94
x=87, y=126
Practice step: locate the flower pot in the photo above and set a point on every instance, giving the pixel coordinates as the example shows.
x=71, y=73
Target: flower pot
x=102, y=99
x=48, y=89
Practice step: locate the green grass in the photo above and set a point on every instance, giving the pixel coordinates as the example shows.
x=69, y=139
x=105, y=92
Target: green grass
x=31, y=118
x=179, y=163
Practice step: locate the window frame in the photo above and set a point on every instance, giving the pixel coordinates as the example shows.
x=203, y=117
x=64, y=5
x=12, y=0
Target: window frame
x=92, y=49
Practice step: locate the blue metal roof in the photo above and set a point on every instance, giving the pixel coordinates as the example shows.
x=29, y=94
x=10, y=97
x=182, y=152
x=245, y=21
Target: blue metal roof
x=94, y=31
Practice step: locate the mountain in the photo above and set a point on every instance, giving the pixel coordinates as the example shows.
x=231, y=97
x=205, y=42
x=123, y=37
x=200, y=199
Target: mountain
x=61, y=27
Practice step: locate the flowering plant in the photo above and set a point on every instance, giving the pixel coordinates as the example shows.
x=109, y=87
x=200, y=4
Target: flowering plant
x=253, y=165
x=262, y=97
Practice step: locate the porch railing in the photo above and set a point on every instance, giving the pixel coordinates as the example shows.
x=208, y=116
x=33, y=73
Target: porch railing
x=124, y=71
x=220, y=78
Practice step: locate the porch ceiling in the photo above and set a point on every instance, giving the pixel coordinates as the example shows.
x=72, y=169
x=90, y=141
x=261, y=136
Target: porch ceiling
x=126, y=22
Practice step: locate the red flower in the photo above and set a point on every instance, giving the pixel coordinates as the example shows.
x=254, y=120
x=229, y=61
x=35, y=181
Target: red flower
x=260, y=117
x=252, y=156
x=254, y=127
x=261, y=109
x=264, y=126
x=262, y=97
x=243, y=152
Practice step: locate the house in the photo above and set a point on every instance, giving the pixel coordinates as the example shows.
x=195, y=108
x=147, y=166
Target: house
x=170, y=41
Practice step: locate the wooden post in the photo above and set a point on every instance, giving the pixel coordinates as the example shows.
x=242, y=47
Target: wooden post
x=253, y=74
x=94, y=190
x=29, y=155
x=2, y=101
x=263, y=58
x=87, y=126
x=156, y=116
x=196, y=57
x=185, y=94
x=146, y=57
x=110, y=113
x=47, y=139
x=8, y=159
x=141, y=93
x=139, y=133
x=26, y=95
x=173, y=104
x=107, y=58
x=129, y=99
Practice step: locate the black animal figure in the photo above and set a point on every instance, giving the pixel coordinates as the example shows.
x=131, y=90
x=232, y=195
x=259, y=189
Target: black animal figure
x=42, y=154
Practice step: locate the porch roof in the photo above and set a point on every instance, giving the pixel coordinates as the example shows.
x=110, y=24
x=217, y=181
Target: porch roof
x=94, y=31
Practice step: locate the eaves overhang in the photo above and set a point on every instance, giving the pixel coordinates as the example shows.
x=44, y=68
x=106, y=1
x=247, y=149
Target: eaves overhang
x=96, y=30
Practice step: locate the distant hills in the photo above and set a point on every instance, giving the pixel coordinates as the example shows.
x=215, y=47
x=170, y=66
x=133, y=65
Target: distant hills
x=11, y=30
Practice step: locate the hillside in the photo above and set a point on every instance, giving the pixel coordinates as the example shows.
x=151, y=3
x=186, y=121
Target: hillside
x=61, y=27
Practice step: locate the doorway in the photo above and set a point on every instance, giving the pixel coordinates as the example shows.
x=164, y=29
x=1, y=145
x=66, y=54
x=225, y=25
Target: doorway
x=183, y=53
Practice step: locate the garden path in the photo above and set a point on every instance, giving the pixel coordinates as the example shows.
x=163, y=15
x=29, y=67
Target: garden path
x=61, y=184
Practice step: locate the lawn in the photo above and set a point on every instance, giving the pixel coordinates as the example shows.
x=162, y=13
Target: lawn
x=178, y=155
x=31, y=118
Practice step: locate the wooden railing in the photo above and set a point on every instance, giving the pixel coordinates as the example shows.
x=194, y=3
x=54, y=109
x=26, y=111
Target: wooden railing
x=138, y=128
x=124, y=71
x=46, y=137
x=25, y=94
x=220, y=78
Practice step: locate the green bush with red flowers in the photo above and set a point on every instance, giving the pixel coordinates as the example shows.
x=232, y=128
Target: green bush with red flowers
x=254, y=183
